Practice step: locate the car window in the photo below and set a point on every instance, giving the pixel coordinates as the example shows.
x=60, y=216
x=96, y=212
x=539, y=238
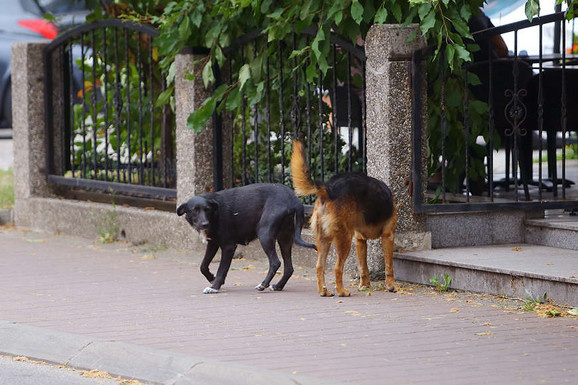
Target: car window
x=17, y=6
x=56, y=7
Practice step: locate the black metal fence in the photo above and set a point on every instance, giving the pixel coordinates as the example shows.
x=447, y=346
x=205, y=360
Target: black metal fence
x=329, y=115
x=503, y=134
x=104, y=131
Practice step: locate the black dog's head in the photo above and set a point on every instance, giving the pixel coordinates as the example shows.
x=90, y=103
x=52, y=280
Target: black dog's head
x=198, y=212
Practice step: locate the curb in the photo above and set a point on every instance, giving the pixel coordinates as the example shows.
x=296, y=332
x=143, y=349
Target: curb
x=124, y=360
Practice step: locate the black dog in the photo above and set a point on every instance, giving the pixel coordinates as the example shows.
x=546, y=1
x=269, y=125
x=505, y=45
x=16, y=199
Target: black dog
x=270, y=212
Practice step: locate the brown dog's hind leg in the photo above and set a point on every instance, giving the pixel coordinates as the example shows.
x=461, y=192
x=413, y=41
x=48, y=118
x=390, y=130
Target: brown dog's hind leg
x=361, y=249
x=387, y=239
x=387, y=244
x=323, y=246
x=343, y=245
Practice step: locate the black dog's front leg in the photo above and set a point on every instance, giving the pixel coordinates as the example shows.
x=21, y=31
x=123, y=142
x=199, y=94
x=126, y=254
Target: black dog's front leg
x=227, y=253
x=210, y=252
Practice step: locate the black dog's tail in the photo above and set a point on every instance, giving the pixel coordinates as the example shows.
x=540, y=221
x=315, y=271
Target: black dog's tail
x=299, y=218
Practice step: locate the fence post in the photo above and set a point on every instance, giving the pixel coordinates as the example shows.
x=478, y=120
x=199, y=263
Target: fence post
x=194, y=150
x=389, y=124
x=29, y=128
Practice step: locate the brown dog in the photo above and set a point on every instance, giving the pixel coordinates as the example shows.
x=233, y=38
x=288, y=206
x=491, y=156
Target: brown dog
x=348, y=205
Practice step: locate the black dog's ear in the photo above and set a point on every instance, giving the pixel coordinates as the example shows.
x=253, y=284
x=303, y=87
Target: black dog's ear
x=213, y=204
x=182, y=209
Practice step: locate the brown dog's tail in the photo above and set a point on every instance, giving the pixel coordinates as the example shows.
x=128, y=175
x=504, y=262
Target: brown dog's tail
x=302, y=181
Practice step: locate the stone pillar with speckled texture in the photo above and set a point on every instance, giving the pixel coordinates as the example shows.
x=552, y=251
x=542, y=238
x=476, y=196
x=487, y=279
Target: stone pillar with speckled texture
x=389, y=124
x=194, y=149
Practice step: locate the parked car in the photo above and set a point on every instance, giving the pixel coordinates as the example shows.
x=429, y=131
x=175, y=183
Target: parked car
x=23, y=20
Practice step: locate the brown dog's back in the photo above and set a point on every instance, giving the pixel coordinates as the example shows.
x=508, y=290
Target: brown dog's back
x=357, y=202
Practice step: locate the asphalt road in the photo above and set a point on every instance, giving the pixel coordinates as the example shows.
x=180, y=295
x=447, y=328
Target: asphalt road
x=15, y=372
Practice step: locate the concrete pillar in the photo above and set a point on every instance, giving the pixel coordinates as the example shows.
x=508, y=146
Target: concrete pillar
x=28, y=127
x=389, y=125
x=194, y=150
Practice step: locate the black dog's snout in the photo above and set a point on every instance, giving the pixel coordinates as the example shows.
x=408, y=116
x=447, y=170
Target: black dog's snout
x=203, y=225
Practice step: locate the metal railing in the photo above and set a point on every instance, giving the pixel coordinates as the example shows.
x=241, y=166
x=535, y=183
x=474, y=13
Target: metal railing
x=104, y=131
x=329, y=115
x=501, y=135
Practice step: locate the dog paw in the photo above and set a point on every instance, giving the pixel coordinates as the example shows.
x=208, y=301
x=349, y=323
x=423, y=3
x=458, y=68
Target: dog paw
x=391, y=289
x=344, y=293
x=275, y=288
x=210, y=290
x=325, y=293
x=260, y=287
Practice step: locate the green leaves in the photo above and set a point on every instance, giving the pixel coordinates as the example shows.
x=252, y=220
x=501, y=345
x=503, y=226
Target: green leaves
x=244, y=75
x=532, y=9
x=199, y=118
x=357, y=11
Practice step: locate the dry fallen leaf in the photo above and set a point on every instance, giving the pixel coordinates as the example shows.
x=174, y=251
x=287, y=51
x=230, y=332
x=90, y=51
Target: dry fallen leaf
x=490, y=333
x=95, y=374
x=454, y=310
x=517, y=249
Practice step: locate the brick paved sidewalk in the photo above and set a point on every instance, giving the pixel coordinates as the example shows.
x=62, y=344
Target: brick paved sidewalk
x=153, y=298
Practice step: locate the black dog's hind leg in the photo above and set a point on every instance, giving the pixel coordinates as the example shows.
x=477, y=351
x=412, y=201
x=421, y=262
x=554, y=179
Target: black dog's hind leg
x=268, y=243
x=210, y=252
x=285, y=244
x=226, y=259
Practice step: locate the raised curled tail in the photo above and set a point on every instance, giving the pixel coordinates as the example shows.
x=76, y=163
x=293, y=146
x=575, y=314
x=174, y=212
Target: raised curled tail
x=299, y=218
x=302, y=182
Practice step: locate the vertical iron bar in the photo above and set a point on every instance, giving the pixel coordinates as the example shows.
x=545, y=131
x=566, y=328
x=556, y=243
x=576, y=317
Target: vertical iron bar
x=163, y=135
x=105, y=102
x=94, y=108
x=140, y=109
x=71, y=106
x=443, y=124
x=335, y=112
x=83, y=80
x=363, y=128
x=563, y=111
x=128, y=120
x=320, y=90
x=491, y=123
x=281, y=115
x=467, y=134
x=217, y=139
x=515, y=128
x=268, y=113
x=308, y=120
x=256, y=128
x=64, y=96
x=117, y=103
x=244, y=133
x=151, y=111
x=349, y=128
x=232, y=144
x=540, y=116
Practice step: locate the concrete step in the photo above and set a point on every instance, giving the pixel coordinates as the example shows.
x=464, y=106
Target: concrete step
x=513, y=270
x=556, y=231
